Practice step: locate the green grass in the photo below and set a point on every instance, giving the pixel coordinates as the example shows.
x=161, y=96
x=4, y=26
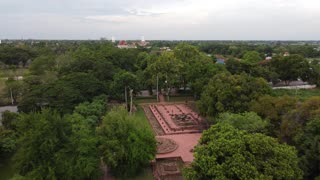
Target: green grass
x=179, y=98
x=139, y=100
x=140, y=114
x=302, y=94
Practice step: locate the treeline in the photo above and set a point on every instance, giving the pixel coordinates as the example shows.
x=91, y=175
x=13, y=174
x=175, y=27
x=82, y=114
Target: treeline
x=239, y=49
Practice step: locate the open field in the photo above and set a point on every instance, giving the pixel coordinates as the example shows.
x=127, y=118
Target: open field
x=299, y=93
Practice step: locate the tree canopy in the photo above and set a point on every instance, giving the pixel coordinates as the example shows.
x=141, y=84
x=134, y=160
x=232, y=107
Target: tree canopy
x=127, y=144
x=227, y=153
x=248, y=121
x=231, y=93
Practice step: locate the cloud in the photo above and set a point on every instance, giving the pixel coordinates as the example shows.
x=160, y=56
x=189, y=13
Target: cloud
x=166, y=19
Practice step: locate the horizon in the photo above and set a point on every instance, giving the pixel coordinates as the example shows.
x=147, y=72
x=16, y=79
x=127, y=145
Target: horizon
x=222, y=40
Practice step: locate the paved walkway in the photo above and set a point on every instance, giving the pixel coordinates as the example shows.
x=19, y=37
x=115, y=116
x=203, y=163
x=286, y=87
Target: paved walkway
x=186, y=142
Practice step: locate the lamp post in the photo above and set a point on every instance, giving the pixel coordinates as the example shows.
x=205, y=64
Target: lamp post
x=157, y=88
x=167, y=90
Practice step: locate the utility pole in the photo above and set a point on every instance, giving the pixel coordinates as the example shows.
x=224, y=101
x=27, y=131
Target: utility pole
x=11, y=96
x=131, y=90
x=125, y=96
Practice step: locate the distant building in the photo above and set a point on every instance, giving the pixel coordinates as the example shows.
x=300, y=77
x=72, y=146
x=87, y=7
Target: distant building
x=165, y=49
x=113, y=39
x=124, y=45
x=286, y=54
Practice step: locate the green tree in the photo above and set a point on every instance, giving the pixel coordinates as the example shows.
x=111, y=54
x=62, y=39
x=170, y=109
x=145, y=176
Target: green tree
x=15, y=89
x=8, y=142
x=42, y=64
x=290, y=68
x=41, y=136
x=63, y=94
x=93, y=111
x=232, y=93
x=123, y=82
x=308, y=146
x=167, y=68
x=122, y=138
x=9, y=119
x=51, y=146
x=293, y=122
x=248, y=121
x=274, y=109
x=252, y=57
x=79, y=157
x=227, y=153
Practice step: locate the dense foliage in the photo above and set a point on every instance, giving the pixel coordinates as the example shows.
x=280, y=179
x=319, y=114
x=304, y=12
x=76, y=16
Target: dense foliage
x=248, y=121
x=126, y=143
x=231, y=93
x=227, y=153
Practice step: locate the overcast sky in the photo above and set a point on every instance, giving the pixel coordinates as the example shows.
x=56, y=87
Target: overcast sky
x=161, y=19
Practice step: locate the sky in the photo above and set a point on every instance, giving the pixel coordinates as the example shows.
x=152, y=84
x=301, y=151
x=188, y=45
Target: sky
x=161, y=19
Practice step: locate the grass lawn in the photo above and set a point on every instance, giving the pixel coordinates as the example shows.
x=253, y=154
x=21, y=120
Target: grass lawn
x=180, y=98
x=139, y=100
x=140, y=114
x=302, y=94
x=10, y=73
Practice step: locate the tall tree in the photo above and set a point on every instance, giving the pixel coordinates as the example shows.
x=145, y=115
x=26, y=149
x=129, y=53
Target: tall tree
x=227, y=153
x=167, y=68
x=233, y=93
x=308, y=146
x=252, y=57
x=290, y=68
x=127, y=144
x=41, y=136
x=248, y=121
